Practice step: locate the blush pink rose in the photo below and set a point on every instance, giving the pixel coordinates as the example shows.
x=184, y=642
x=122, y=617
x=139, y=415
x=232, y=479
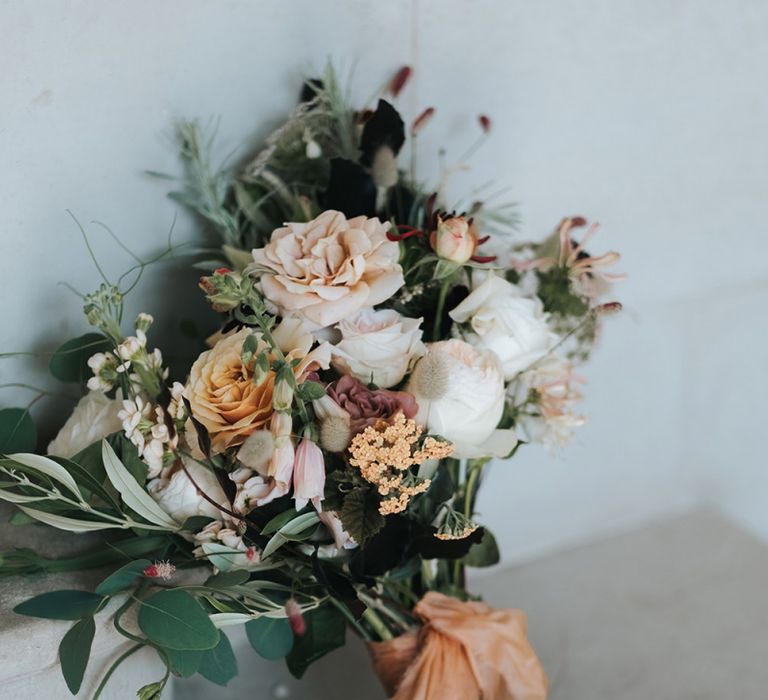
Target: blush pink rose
x=328, y=268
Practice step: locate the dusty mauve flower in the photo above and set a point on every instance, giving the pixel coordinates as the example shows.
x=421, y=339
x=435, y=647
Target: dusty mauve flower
x=454, y=239
x=94, y=417
x=308, y=475
x=221, y=391
x=378, y=346
x=469, y=411
x=368, y=406
x=328, y=268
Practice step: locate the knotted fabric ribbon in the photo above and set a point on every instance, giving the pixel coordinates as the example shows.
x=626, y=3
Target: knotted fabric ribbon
x=463, y=651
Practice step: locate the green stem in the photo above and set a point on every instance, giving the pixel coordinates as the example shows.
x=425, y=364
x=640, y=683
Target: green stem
x=361, y=631
x=113, y=668
x=378, y=625
x=445, y=285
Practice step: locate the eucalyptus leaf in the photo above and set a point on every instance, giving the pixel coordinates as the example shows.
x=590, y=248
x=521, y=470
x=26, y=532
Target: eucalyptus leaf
x=17, y=431
x=484, y=553
x=70, y=362
x=326, y=631
x=61, y=605
x=219, y=664
x=74, y=652
x=271, y=637
x=184, y=663
x=133, y=495
x=175, y=620
x=227, y=579
x=123, y=578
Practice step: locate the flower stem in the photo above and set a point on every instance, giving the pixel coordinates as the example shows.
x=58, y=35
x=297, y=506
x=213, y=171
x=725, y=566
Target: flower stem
x=378, y=625
x=113, y=668
x=445, y=285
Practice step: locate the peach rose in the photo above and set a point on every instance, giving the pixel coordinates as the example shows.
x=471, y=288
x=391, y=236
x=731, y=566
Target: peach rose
x=221, y=391
x=328, y=268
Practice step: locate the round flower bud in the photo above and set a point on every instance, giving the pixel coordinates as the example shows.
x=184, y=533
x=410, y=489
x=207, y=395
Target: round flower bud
x=335, y=434
x=430, y=377
x=257, y=449
x=454, y=239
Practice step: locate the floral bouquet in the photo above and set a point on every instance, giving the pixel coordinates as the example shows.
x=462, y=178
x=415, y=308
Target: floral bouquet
x=316, y=468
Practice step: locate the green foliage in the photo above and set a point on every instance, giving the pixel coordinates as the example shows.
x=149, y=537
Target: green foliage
x=173, y=619
x=219, y=664
x=360, y=514
x=70, y=362
x=227, y=579
x=61, y=605
x=184, y=663
x=74, y=652
x=271, y=637
x=279, y=520
x=298, y=529
x=326, y=631
x=556, y=293
x=484, y=553
x=311, y=391
x=17, y=431
x=123, y=578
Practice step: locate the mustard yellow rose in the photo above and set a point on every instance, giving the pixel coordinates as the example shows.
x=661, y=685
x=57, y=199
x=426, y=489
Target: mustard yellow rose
x=328, y=268
x=221, y=391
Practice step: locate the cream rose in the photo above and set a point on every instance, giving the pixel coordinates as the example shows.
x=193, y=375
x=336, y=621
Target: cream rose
x=94, y=417
x=378, y=346
x=510, y=325
x=328, y=268
x=221, y=391
x=469, y=402
x=180, y=498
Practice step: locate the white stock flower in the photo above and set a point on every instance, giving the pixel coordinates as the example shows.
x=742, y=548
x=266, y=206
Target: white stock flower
x=507, y=323
x=378, y=346
x=132, y=346
x=94, y=417
x=469, y=410
x=104, y=368
x=241, y=556
x=134, y=415
x=179, y=497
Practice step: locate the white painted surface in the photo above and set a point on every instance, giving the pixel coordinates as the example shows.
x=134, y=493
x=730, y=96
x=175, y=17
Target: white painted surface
x=647, y=115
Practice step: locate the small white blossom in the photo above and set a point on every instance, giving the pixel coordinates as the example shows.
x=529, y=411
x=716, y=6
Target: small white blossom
x=104, y=368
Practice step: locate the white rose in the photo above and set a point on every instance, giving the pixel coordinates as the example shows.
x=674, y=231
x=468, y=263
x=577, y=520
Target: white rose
x=94, y=417
x=179, y=497
x=471, y=400
x=507, y=323
x=378, y=346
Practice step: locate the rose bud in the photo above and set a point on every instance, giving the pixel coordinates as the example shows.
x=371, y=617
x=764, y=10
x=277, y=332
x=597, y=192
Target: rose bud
x=454, y=239
x=295, y=618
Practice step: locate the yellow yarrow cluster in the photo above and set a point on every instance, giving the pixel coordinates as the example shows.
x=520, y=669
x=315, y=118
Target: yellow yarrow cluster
x=384, y=454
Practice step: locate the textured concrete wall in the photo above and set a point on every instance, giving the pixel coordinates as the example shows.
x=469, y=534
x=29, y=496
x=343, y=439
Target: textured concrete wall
x=648, y=116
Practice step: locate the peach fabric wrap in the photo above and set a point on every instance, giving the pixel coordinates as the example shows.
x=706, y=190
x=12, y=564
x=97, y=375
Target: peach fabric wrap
x=466, y=651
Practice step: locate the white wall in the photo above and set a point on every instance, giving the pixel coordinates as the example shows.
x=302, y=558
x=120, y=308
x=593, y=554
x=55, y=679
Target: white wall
x=647, y=115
